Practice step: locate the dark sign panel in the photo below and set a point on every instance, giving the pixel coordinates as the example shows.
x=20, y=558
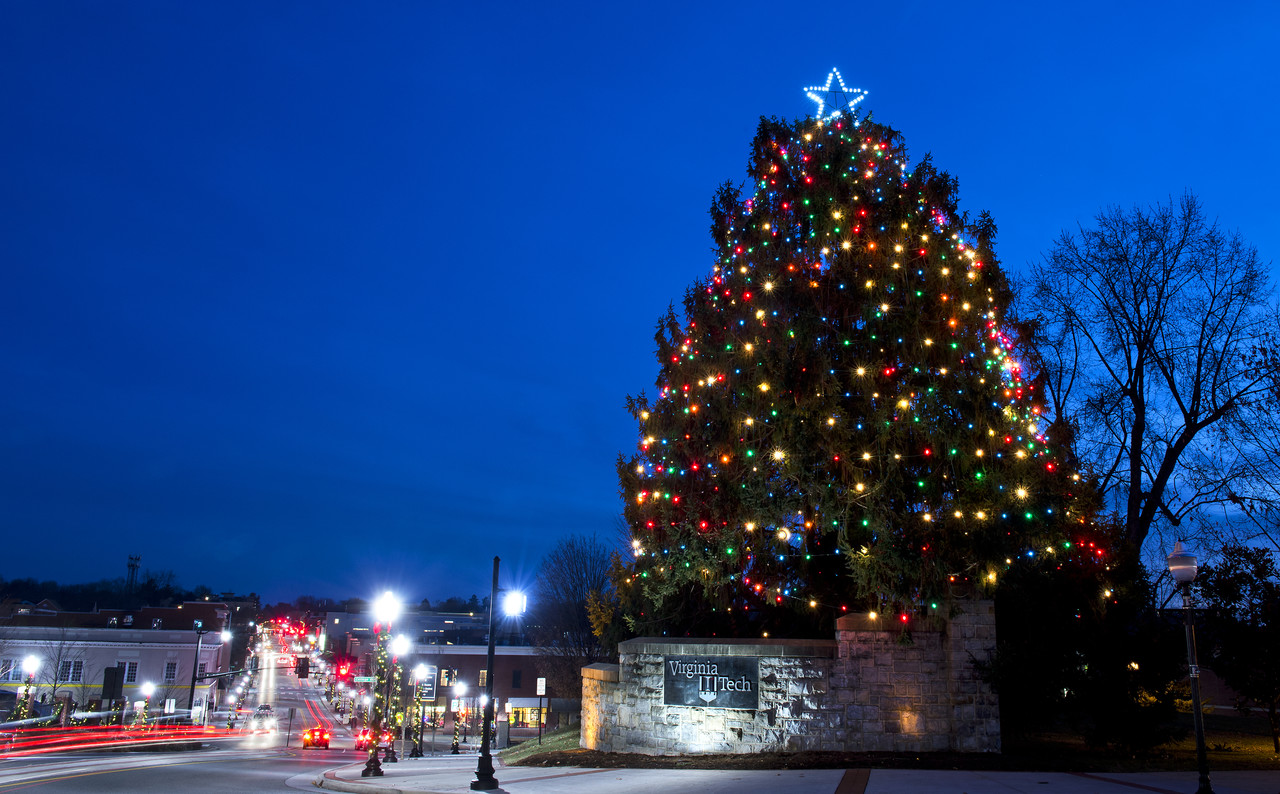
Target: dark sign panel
x=718, y=682
x=427, y=684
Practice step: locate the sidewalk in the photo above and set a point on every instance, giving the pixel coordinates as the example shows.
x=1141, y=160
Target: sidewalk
x=452, y=774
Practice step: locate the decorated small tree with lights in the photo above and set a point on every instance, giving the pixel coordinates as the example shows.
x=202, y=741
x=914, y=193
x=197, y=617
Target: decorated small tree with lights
x=842, y=421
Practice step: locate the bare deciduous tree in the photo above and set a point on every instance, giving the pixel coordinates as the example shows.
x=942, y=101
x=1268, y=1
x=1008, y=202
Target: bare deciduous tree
x=63, y=661
x=1149, y=326
x=1254, y=437
x=577, y=567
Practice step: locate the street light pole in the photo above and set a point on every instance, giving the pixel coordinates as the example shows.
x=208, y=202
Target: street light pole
x=419, y=673
x=30, y=665
x=385, y=610
x=485, y=780
x=459, y=690
x=1182, y=565
x=397, y=647
x=195, y=664
x=148, y=689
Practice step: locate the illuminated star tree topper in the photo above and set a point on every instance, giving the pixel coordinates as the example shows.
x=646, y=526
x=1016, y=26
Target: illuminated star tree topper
x=833, y=102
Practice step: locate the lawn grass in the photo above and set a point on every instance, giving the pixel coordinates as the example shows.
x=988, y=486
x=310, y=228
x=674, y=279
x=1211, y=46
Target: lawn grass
x=559, y=740
x=1232, y=741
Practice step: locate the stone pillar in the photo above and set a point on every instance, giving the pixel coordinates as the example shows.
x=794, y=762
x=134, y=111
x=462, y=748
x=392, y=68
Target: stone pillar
x=599, y=706
x=971, y=640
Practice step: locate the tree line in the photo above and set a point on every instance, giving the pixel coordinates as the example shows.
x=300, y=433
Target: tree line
x=153, y=588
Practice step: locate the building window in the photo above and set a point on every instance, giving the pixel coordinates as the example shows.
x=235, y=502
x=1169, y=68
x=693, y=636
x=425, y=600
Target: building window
x=447, y=675
x=170, y=672
x=484, y=678
x=7, y=669
x=128, y=620
x=130, y=671
x=203, y=666
x=71, y=672
x=113, y=621
x=156, y=622
x=516, y=675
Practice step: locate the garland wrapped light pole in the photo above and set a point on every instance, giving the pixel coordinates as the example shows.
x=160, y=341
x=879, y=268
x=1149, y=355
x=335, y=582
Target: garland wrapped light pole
x=419, y=673
x=385, y=610
x=399, y=647
x=459, y=691
x=30, y=665
x=1182, y=564
x=147, y=689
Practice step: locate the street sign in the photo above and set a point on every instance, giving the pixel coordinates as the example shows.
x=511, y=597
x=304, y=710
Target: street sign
x=542, y=687
x=427, y=686
x=365, y=679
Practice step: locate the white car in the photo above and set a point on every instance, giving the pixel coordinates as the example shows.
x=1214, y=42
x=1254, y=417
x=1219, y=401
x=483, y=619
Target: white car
x=263, y=719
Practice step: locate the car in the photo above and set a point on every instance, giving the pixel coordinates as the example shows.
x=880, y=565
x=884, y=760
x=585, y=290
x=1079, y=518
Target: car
x=264, y=718
x=315, y=737
x=365, y=737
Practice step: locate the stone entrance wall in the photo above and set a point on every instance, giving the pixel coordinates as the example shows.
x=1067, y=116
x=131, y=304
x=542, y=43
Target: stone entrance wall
x=863, y=691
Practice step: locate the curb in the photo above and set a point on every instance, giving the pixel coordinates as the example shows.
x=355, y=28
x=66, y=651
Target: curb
x=330, y=781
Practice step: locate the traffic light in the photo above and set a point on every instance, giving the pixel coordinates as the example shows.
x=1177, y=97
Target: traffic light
x=304, y=667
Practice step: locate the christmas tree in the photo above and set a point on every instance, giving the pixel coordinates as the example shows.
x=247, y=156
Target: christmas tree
x=842, y=422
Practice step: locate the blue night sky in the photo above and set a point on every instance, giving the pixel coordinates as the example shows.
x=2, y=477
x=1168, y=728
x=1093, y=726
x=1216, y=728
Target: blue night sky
x=326, y=298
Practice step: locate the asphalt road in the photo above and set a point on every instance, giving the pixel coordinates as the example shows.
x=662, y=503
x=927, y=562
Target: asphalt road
x=204, y=771
x=248, y=761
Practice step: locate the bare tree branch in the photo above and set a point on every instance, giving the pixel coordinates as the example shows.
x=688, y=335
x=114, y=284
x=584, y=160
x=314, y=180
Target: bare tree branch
x=1162, y=312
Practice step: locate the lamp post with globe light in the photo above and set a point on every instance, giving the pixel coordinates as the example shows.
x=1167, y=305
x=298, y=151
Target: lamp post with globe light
x=147, y=689
x=30, y=666
x=385, y=610
x=399, y=647
x=513, y=604
x=459, y=692
x=419, y=673
x=1182, y=564
x=200, y=631
x=212, y=700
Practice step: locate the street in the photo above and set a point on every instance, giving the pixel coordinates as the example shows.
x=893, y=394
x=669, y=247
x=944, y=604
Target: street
x=247, y=761
x=214, y=770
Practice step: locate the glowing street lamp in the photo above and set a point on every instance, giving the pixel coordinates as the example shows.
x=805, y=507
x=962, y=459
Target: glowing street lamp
x=398, y=647
x=30, y=666
x=386, y=608
x=200, y=631
x=419, y=673
x=459, y=691
x=147, y=689
x=513, y=603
